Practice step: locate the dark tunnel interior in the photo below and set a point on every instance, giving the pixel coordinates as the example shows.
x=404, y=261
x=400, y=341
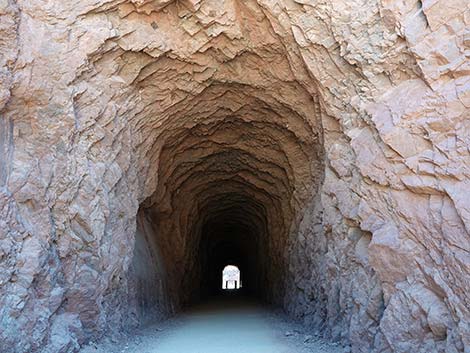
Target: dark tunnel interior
x=230, y=185
x=232, y=236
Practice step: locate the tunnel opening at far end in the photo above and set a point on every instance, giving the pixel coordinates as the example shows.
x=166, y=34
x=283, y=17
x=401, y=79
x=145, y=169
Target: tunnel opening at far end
x=231, y=278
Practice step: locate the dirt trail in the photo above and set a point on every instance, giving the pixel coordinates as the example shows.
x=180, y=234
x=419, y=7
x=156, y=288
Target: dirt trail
x=222, y=326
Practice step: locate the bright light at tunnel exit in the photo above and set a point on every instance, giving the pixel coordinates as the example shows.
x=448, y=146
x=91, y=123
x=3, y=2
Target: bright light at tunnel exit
x=231, y=277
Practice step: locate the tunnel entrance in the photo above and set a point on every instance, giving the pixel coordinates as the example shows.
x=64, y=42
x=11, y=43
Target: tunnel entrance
x=231, y=188
x=231, y=278
x=232, y=158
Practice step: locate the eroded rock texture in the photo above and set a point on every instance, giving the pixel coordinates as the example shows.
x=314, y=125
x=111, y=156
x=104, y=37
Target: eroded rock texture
x=321, y=145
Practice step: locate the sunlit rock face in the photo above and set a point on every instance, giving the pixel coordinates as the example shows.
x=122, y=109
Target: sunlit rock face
x=321, y=146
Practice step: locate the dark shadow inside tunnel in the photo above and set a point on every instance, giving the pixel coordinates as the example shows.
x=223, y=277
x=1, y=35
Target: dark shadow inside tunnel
x=233, y=235
x=231, y=227
x=218, y=205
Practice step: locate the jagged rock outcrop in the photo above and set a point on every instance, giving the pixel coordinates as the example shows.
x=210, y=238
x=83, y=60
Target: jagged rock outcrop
x=326, y=140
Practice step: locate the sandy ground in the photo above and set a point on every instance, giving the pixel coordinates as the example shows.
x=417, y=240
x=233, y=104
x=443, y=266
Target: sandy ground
x=224, y=325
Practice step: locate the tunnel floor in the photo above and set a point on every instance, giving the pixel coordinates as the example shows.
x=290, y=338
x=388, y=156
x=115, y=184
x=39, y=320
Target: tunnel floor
x=223, y=324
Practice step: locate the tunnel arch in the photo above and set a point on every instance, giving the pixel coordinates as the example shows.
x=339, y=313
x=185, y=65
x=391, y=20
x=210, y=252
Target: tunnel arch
x=236, y=152
x=241, y=169
x=206, y=140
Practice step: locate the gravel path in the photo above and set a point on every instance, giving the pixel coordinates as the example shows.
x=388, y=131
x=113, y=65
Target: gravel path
x=221, y=326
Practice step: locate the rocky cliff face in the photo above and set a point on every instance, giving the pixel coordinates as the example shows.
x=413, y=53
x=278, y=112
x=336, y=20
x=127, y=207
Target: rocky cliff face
x=332, y=136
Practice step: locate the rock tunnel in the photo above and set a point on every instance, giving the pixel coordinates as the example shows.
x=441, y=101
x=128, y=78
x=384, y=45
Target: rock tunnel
x=232, y=182
x=145, y=145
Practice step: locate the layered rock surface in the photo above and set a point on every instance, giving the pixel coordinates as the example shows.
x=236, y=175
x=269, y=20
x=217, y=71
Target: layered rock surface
x=324, y=145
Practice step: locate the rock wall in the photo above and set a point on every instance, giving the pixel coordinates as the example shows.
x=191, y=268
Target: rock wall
x=150, y=296
x=344, y=127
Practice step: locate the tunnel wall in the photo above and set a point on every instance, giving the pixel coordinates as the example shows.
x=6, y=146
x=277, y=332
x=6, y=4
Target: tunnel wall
x=151, y=297
x=88, y=89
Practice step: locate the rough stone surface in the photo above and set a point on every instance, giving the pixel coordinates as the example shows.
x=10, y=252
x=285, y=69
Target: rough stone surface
x=331, y=136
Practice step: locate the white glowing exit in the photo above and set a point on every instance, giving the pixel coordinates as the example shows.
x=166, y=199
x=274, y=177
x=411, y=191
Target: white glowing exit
x=231, y=277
